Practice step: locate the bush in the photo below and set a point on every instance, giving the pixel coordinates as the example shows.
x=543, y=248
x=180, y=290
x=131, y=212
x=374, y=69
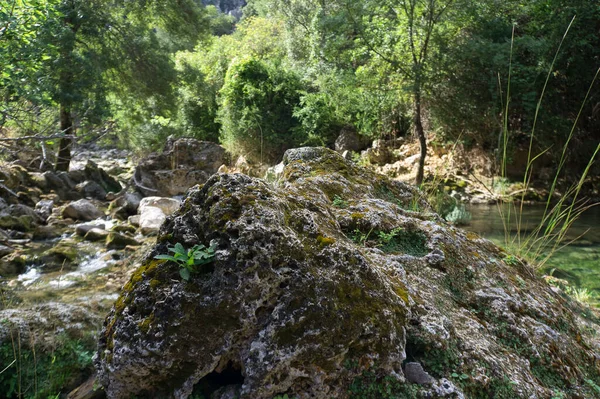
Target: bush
x=257, y=111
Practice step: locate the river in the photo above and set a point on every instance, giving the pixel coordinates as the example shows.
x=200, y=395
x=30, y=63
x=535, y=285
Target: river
x=578, y=262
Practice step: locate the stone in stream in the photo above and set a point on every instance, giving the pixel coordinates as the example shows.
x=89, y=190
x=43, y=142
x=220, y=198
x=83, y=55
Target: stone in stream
x=167, y=205
x=82, y=229
x=20, y=218
x=96, y=234
x=151, y=220
x=4, y=250
x=12, y=264
x=91, y=189
x=125, y=205
x=44, y=208
x=60, y=257
x=310, y=299
x=82, y=210
x=119, y=241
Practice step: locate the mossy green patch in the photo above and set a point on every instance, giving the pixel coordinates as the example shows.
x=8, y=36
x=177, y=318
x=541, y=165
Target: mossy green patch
x=325, y=241
x=371, y=386
x=145, y=324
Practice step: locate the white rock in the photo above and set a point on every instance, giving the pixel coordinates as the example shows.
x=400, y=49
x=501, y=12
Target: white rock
x=151, y=219
x=167, y=205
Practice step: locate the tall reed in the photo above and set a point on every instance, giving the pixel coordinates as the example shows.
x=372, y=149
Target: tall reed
x=539, y=245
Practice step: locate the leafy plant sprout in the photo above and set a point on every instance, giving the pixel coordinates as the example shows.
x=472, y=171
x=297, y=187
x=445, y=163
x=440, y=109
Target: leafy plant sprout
x=191, y=259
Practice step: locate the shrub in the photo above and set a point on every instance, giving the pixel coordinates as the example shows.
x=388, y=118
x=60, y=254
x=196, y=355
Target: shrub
x=256, y=113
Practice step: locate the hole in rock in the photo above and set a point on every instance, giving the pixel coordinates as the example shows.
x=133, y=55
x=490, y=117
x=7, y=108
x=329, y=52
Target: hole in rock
x=231, y=375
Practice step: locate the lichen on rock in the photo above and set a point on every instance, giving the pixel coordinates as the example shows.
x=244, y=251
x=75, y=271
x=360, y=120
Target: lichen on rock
x=305, y=298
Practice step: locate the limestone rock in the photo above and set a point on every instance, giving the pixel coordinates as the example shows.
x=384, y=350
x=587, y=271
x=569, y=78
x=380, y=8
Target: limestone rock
x=184, y=163
x=349, y=140
x=18, y=210
x=98, y=175
x=4, y=250
x=96, y=234
x=151, y=220
x=154, y=211
x=124, y=228
x=378, y=156
x=414, y=373
x=309, y=299
x=167, y=205
x=60, y=257
x=82, y=229
x=125, y=205
x=12, y=264
x=91, y=189
x=81, y=210
x=134, y=220
x=44, y=208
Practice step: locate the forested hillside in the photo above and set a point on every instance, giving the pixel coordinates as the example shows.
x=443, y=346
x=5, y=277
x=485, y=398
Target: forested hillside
x=271, y=75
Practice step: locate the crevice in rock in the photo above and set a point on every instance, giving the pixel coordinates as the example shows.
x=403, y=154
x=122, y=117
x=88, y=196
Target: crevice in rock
x=211, y=383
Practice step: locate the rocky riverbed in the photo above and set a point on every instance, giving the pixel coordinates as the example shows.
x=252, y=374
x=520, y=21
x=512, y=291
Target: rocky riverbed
x=68, y=243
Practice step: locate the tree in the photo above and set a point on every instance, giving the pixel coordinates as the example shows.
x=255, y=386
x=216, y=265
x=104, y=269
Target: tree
x=87, y=49
x=399, y=34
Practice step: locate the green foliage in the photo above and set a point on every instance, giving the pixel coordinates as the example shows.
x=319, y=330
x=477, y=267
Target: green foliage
x=371, y=386
x=339, y=202
x=191, y=259
x=472, y=100
x=257, y=106
x=511, y=260
x=76, y=55
x=359, y=237
x=220, y=24
x=43, y=372
x=582, y=295
x=397, y=240
x=459, y=215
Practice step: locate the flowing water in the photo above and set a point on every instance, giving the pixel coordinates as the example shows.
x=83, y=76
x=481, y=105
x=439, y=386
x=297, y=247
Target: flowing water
x=578, y=262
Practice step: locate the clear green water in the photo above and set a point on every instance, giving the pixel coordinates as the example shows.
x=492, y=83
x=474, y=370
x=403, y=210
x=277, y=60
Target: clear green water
x=578, y=263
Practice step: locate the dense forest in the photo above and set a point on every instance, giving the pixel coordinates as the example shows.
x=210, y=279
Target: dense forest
x=270, y=75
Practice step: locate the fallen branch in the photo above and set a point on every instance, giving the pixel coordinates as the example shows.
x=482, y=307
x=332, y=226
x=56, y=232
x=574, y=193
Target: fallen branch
x=36, y=137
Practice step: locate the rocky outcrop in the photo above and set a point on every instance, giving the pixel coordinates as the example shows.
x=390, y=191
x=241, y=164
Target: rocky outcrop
x=183, y=163
x=323, y=285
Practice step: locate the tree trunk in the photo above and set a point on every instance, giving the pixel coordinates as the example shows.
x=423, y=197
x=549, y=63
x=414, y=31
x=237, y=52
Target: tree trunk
x=421, y=135
x=63, y=159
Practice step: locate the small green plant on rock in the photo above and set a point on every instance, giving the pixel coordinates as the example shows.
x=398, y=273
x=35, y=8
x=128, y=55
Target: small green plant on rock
x=189, y=260
x=359, y=237
x=339, y=202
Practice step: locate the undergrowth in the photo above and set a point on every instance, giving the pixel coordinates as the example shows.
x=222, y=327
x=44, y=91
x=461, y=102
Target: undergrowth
x=35, y=372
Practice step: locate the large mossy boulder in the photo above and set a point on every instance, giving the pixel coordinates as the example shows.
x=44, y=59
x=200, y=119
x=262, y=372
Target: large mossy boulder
x=328, y=284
